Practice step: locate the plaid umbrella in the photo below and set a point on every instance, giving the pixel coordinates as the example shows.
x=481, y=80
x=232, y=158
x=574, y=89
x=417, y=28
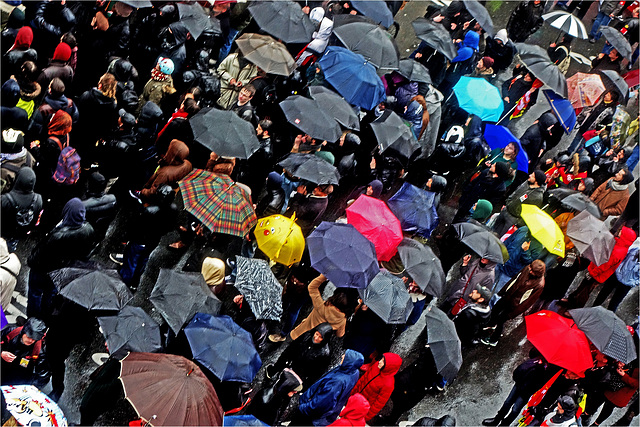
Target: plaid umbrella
x=218, y=202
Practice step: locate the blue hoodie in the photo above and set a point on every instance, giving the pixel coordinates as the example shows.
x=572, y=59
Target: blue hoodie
x=467, y=47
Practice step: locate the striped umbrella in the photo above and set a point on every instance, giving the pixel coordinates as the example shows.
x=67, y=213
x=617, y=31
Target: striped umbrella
x=566, y=22
x=218, y=202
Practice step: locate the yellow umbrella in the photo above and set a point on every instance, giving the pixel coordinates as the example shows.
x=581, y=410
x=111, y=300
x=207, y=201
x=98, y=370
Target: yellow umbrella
x=544, y=229
x=280, y=238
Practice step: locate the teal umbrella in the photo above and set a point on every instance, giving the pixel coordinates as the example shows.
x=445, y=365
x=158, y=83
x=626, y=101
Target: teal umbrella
x=477, y=96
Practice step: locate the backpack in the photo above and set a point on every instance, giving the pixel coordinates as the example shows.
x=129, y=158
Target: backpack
x=24, y=216
x=564, y=64
x=68, y=169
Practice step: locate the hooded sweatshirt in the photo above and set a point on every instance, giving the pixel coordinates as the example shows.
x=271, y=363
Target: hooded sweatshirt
x=354, y=412
x=20, y=197
x=468, y=46
x=12, y=116
x=8, y=273
x=376, y=385
x=308, y=359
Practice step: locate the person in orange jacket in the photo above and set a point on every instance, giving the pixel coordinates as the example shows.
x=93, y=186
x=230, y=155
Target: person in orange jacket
x=378, y=381
x=353, y=413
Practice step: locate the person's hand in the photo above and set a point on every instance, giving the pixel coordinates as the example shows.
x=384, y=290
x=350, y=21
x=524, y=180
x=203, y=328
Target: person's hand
x=506, y=99
x=238, y=299
x=620, y=370
x=353, y=12
x=552, y=45
x=34, y=144
x=199, y=230
x=418, y=55
x=438, y=18
x=372, y=165
x=239, y=84
x=8, y=356
x=525, y=246
x=232, y=82
x=600, y=55
x=453, y=25
x=549, y=161
x=302, y=189
x=466, y=25
x=306, y=9
x=299, y=139
x=608, y=153
x=456, y=41
x=465, y=260
x=487, y=164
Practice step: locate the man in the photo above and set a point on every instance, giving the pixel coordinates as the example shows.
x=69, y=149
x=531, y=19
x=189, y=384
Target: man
x=242, y=107
x=23, y=354
x=473, y=316
x=490, y=185
x=525, y=20
x=473, y=273
x=309, y=208
x=234, y=72
x=613, y=195
x=530, y=193
x=611, y=61
x=607, y=9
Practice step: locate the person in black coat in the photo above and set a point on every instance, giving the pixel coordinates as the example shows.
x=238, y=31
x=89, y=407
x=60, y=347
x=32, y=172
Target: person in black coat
x=516, y=88
x=273, y=200
x=24, y=354
x=49, y=20
x=100, y=207
x=17, y=53
x=309, y=208
x=534, y=139
x=489, y=185
x=54, y=100
x=501, y=50
x=13, y=25
x=368, y=334
x=12, y=116
x=473, y=316
x=269, y=403
x=525, y=20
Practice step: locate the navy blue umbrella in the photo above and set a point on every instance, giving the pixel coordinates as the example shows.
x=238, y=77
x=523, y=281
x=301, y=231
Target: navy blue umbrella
x=562, y=109
x=343, y=255
x=223, y=347
x=377, y=10
x=415, y=209
x=499, y=137
x=242, y=421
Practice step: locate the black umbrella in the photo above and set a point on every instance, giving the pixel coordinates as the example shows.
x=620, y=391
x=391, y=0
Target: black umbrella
x=617, y=40
x=414, y=71
x=606, y=331
x=392, y=132
x=377, y=10
x=336, y=106
x=572, y=199
x=306, y=115
x=92, y=289
x=224, y=133
x=444, y=342
x=387, y=296
x=613, y=80
x=370, y=41
x=195, y=19
x=178, y=296
x=131, y=330
x=344, y=19
x=283, y=19
x=480, y=14
x=260, y=287
x=482, y=242
x=312, y=168
x=138, y=4
x=435, y=36
x=537, y=61
x=423, y=266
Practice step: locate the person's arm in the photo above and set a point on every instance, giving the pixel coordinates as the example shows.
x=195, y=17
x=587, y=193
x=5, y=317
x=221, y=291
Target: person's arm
x=223, y=71
x=324, y=399
x=599, y=190
x=618, y=208
x=381, y=397
x=340, y=331
x=314, y=292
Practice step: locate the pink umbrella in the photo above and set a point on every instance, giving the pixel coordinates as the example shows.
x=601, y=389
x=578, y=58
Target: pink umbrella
x=375, y=221
x=584, y=90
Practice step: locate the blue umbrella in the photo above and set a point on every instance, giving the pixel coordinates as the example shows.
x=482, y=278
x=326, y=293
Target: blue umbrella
x=241, y=421
x=478, y=96
x=343, y=255
x=414, y=208
x=499, y=137
x=377, y=10
x=562, y=109
x=223, y=347
x=353, y=77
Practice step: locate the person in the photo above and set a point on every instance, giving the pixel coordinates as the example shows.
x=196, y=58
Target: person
x=18, y=53
x=48, y=151
x=463, y=63
x=508, y=154
x=627, y=277
x=525, y=20
x=101, y=208
x=9, y=269
x=242, y=106
x=474, y=271
x=30, y=89
x=309, y=208
x=377, y=382
x=619, y=398
x=490, y=185
x=53, y=101
x=612, y=196
x=610, y=163
x=21, y=208
x=534, y=140
x=530, y=192
x=600, y=115
x=353, y=413
x=13, y=157
x=273, y=200
x=320, y=38
x=24, y=354
x=484, y=68
x=269, y=403
x=501, y=50
x=159, y=85
x=58, y=67
x=559, y=53
x=563, y=415
x=11, y=115
x=607, y=9
x=234, y=72
x=517, y=87
x=473, y=316
x=610, y=61
x=173, y=166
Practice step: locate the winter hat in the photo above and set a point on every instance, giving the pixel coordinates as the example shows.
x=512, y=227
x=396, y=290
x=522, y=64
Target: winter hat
x=503, y=170
x=34, y=328
x=62, y=52
x=24, y=38
x=567, y=403
x=438, y=184
x=627, y=178
x=12, y=141
x=326, y=156
x=482, y=211
x=484, y=292
x=128, y=119
x=376, y=188
x=96, y=184
x=541, y=178
x=316, y=14
x=165, y=66
x=502, y=36
x=213, y=270
x=487, y=61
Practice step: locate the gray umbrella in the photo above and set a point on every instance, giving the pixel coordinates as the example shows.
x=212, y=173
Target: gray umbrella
x=613, y=80
x=538, y=63
x=370, y=41
x=335, y=106
x=435, y=36
x=572, y=199
x=480, y=14
x=591, y=237
x=224, y=133
x=260, y=288
x=131, y=330
x=482, y=242
x=311, y=167
x=195, y=19
x=268, y=54
x=414, y=71
x=617, y=40
x=423, y=266
x=92, y=289
x=387, y=296
x=392, y=132
x=310, y=118
x=344, y=19
x=283, y=19
x=444, y=342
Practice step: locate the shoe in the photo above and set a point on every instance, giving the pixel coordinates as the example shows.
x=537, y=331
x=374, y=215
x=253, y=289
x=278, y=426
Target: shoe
x=491, y=421
x=475, y=341
x=277, y=338
x=230, y=263
x=592, y=40
x=117, y=258
x=269, y=370
x=135, y=194
x=487, y=341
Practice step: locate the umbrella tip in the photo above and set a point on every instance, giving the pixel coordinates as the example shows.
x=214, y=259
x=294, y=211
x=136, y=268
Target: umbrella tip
x=189, y=373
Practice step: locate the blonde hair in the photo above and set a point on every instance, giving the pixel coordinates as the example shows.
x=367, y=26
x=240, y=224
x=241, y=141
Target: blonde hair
x=107, y=85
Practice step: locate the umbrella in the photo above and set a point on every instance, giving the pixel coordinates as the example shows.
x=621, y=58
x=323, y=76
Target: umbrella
x=280, y=238
x=195, y=19
x=559, y=340
x=613, y=80
x=31, y=407
x=414, y=71
x=562, y=109
x=482, y=242
x=335, y=105
x=138, y=4
x=342, y=254
x=169, y=390
x=499, y=137
x=444, y=343
x=481, y=15
x=353, y=77
x=423, y=266
x=268, y=54
x=283, y=19
x=311, y=167
x=310, y=118
x=260, y=288
x=92, y=289
x=537, y=61
x=242, y=421
x=376, y=222
x=572, y=199
x=377, y=10
x=344, y=19
x=224, y=133
x=372, y=42
x=606, y=331
x=567, y=23
x=544, y=229
x=178, y=296
x=584, y=89
x=617, y=40
x=415, y=209
x=435, y=36
x=218, y=202
x=632, y=78
x=393, y=132
x=223, y=347
x=131, y=330
x=478, y=96
x=387, y=296
x=591, y=237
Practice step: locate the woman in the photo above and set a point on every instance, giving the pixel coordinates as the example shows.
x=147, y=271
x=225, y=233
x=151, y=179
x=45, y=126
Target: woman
x=173, y=167
x=559, y=53
x=377, y=382
x=600, y=115
x=159, y=85
x=47, y=152
x=20, y=52
x=506, y=155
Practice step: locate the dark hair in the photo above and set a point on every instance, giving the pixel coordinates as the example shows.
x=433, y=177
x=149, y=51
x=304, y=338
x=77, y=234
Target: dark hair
x=614, y=95
x=57, y=87
x=339, y=300
x=265, y=124
x=250, y=88
x=29, y=71
x=191, y=107
x=69, y=39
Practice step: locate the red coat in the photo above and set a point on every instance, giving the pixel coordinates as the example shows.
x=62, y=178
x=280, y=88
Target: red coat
x=622, y=397
x=377, y=385
x=353, y=412
x=602, y=272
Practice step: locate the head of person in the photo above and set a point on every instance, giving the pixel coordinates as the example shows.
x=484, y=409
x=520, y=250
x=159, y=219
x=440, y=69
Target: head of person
x=567, y=39
x=437, y=184
x=586, y=186
x=614, y=55
x=485, y=63
x=126, y=120
x=262, y=131
x=566, y=404
x=537, y=178
x=623, y=176
x=69, y=39
x=56, y=87
x=340, y=301
x=213, y=271
x=501, y=170
x=610, y=96
x=321, y=333
x=62, y=52
x=33, y=331
x=482, y=210
x=510, y=151
x=501, y=37
x=96, y=185
x=107, y=85
x=60, y=123
x=480, y=295
x=374, y=189
x=528, y=77
x=537, y=268
x=12, y=141
x=73, y=213
x=24, y=38
x=246, y=94
x=164, y=66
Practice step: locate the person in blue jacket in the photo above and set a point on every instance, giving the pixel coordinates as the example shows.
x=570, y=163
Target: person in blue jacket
x=463, y=63
x=321, y=404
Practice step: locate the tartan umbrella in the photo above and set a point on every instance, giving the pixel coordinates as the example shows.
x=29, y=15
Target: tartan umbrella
x=218, y=202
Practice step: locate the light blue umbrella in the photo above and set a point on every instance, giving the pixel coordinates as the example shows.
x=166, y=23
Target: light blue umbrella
x=562, y=109
x=477, y=96
x=499, y=137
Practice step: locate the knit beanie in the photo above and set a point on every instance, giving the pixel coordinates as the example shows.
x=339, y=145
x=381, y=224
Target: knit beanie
x=62, y=52
x=482, y=210
x=487, y=61
x=541, y=178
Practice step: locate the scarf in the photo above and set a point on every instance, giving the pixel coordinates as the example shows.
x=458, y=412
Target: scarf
x=159, y=76
x=8, y=157
x=616, y=186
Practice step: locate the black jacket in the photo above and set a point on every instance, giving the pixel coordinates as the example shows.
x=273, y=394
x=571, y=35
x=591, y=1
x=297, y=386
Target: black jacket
x=307, y=359
x=525, y=20
x=534, y=138
x=37, y=371
x=50, y=105
x=485, y=187
x=470, y=320
x=62, y=246
x=100, y=211
x=13, y=60
x=502, y=55
x=99, y=117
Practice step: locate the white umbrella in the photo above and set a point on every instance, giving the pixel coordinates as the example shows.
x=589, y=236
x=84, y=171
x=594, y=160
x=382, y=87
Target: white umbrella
x=566, y=22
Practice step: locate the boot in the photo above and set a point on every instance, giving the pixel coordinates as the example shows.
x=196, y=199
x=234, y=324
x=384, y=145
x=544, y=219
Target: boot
x=492, y=421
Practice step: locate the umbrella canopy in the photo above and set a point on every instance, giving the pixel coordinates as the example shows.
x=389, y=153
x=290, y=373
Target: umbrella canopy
x=131, y=330
x=423, y=266
x=499, y=137
x=178, y=296
x=444, y=342
x=310, y=118
x=138, y=4
x=224, y=133
x=312, y=168
x=283, y=19
x=584, y=89
x=478, y=96
x=218, y=202
x=376, y=222
x=414, y=71
x=482, y=242
x=372, y=42
x=481, y=15
x=260, y=288
x=591, y=237
x=335, y=105
x=280, y=238
x=31, y=407
x=393, y=132
x=617, y=40
x=343, y=255
x=606, y=331
x=559, y=340
x=572, y=199
x=544, y=229
x=268, y=54
x=567, y=23
x=377, y=10
x=344, y=19
x=387, y=296
x=538, y=63
x=169, y=390
x=435, y=36
x=223, y=347
x=92, y=289
x=613, y=80
x=242, y=421
x=353, y=77
x=632, y=78
x=414, y=208
x=196, y=20
x=562, y=109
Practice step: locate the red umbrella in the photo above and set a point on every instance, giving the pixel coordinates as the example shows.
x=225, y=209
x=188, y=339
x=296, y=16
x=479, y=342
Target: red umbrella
x=375, y=221
x=559, y=340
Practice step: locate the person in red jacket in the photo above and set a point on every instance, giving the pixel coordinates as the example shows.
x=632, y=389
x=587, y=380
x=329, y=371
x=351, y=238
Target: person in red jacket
x=620, y=398
x=353, y=413
x=378, y=381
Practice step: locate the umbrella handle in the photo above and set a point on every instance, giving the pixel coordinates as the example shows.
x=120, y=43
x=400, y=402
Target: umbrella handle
x=507, y=114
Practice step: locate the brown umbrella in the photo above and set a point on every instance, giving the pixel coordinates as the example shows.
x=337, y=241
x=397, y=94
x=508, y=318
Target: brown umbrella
x=169, y=390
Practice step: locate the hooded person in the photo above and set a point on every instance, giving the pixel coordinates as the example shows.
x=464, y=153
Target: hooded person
x=377, y=382
x=9, y=269
x=613, y=195
x=563, y=415
x=14, y=23
x=525, y=20
x=269, y=403
x=530, y=192
x=159, y=85
x=482, y=210
x=489, y=185
x=100, y=207
x=354, y=412
x=320, y=37
x=273, y=200
x=11, y=115
x=24, y=358
x=58, y=67
x=173, y=167
x=13, y=156
x=18, y=53
x=535, y=138
x=213, y=271
x=462, y=64
x=501, y=50
x=48, y=151
x=21, y=207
